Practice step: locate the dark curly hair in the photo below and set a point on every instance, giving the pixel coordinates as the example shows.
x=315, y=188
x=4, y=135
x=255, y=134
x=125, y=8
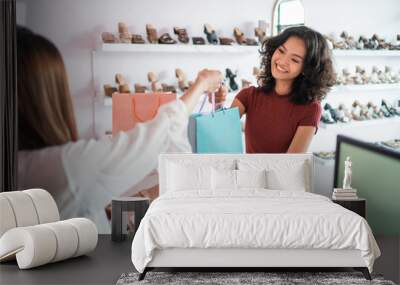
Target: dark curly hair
x=318, y=74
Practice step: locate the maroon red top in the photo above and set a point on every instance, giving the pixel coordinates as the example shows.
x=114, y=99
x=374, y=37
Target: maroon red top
x=272, y=120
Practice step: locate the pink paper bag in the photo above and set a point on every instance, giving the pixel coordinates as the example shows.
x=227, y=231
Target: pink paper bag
x=129, y=109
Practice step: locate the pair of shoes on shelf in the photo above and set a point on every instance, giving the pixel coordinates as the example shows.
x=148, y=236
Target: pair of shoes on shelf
x=137, y=39
x=183, y=83
x=124, y=35
x=360, y=112
x=373, y=111
x=345, y=115
x=225, y=41
x=168, y=88
x=198, y=41
x=389, y=108
x=123, y=86
x=260, y=34
x=326, y=117
x=211, y=34
x=182, y=34
x=166, y=39
x=140, y=88
x=336, y=114
x=261, y=31
x=108, y=38
x=152, y=35
x=109, y=90
x=241, y=39
x=155, y=85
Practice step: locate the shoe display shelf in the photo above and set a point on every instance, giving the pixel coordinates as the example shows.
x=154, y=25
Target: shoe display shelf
x=176, y=48
x=395, y=121
x=364, y=92
x=234, y=48
x=238, y=51
x=365, y=87
x=365, y=53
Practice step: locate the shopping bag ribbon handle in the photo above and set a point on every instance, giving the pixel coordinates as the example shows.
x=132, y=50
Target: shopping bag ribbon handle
x=136, y=113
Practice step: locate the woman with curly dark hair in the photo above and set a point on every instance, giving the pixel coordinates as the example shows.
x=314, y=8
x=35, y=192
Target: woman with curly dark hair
x=283, y=113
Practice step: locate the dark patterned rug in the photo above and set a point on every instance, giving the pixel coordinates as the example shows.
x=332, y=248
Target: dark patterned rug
x=270, y=278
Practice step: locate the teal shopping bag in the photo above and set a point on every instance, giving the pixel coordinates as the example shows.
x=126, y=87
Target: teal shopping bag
x=216, y=132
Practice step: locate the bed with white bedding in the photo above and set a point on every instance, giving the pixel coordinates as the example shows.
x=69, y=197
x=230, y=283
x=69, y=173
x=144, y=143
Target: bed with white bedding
x=247, y=211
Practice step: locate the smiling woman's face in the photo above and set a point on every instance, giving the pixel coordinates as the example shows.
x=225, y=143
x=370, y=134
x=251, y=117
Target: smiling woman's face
x=288, y=59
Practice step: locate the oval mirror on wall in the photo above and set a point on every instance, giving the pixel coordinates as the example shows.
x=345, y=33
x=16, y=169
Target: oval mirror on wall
x=287, y=13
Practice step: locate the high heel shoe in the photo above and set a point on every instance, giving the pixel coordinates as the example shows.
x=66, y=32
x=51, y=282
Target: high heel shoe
x=326, y=117
x=334, y=114
x=182, y=35
x=198, y=41
x=182, y=81
x=211, y=35
x=108, y=38
x=356, y=111
x=120, y=79
x=109, y=90
x=260, y=34
x=124, y=88
x=124, y=35
x=231, y=77
x=239, y=36
x=168, y=88
x=225, y=41
x=166, y=39
x=155, y=85
x=137, y=39
x=151, y=34
x=140, y=88
x=344, y=113
x=389, y=108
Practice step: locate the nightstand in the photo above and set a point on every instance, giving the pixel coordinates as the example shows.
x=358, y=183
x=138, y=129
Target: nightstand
x=126, y=214
x=358, y=206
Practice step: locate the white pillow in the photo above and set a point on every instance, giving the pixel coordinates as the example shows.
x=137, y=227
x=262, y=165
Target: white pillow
x=181, y=177
x=293, y=179
x=251, y=178
x=282, y=174
x=223, y=179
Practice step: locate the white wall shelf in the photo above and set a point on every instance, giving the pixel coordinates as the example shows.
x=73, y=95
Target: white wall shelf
x=176, y=48
x=371, y=53
x=355, y=124
x=365, y=87
x=234, y=48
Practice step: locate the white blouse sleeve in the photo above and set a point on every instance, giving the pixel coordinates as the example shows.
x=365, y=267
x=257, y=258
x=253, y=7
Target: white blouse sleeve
x=97, y=170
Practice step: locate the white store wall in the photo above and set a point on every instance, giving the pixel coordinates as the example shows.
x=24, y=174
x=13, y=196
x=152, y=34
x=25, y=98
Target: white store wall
x=75, y=25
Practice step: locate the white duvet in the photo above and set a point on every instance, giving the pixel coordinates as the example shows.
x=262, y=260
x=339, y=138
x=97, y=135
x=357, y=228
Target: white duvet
x=252, y=218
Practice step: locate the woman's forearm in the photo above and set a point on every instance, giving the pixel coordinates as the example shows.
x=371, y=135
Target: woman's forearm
x=192, y=95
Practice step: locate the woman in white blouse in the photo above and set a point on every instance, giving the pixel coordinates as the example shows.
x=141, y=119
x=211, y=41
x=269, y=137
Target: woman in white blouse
x=83, y=175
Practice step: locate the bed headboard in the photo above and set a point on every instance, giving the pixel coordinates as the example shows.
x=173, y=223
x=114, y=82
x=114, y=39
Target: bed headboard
x=215, y=159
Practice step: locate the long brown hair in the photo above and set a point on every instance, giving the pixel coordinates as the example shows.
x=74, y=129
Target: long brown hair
x=318, y=75
x=45, y=111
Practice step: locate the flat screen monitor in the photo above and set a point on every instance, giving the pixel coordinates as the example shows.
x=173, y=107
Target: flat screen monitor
x=376, y=176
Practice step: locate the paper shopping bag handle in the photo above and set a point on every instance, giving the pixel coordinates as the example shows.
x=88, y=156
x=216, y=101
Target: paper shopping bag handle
x=136, y=113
